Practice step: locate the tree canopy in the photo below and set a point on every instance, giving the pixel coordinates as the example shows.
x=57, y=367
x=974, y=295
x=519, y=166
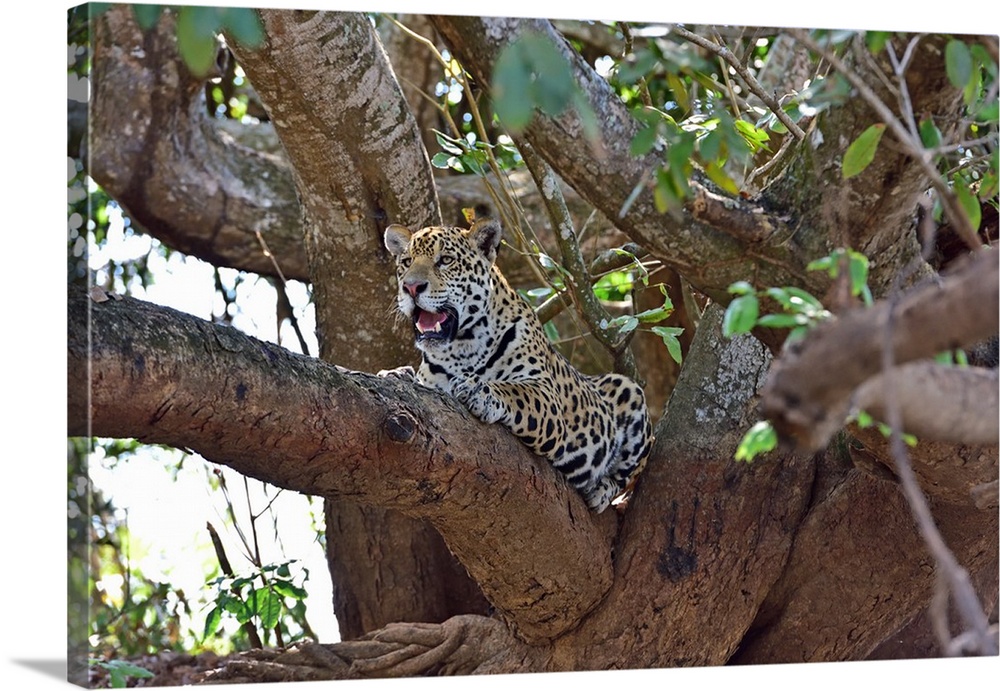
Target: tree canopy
x=786, y=235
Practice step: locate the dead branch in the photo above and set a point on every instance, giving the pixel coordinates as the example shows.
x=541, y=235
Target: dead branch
x=808, y=392
x=938, y=402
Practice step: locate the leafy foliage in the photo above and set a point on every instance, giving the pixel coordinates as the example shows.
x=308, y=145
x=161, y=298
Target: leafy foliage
x=121, y=671
x=532, y=73
x=262, y=597
x=800, y=311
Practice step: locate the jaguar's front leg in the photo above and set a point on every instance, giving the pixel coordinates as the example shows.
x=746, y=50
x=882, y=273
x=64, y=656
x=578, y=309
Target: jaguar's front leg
x=479, y=397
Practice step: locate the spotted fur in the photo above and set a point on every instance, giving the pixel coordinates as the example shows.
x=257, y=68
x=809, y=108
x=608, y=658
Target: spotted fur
x=482, y=343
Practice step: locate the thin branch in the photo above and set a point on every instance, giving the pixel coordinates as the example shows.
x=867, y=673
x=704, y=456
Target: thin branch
x=748, y=78
x=899, y=67
x=970, y=609
x=594, y=314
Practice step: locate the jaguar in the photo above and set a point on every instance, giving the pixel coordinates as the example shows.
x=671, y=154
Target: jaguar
x=483, y=344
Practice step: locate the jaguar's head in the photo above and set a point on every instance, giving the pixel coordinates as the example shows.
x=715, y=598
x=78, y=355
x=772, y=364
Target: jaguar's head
x=444, y=277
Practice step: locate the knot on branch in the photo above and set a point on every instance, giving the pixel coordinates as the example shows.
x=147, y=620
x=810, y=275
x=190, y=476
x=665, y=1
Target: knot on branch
x=400, y=427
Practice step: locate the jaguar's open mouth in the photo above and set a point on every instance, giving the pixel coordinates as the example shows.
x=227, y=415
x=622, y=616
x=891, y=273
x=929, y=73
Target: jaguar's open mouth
x=435, y=325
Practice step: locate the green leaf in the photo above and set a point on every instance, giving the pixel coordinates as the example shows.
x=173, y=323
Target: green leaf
x=740, y=288
x=237, y=608
x=443, y=160
x=876, y=40
x=711, y=145
x=989, y=185
x=754, y=136
x=779, y=295
x=288, y=589
x=511, y=83
x=657, y=314
x=827, y=263
x=719, y=176
x=679, y=91
x=212, y=622
x=782, y=321
x=740, y=316
x=805, y=297
x=861, y=152
x=969, y=203
x=644, y=140
x=268, y=608
x=759, y=439
x=989, y=112
x=857, y=267
x=958, y=63
x=625, y=324
x=532, y=72
x=244, y=25
x=669, y=335
x=196, y=27
x=146, y=16
x=930, y=135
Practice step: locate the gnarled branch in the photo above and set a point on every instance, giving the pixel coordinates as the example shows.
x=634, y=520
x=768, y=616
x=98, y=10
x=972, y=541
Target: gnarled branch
x=295, y=422
x=808, y=392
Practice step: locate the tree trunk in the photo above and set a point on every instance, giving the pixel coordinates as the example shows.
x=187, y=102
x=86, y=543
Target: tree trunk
x=359, y=165
x=713, y=561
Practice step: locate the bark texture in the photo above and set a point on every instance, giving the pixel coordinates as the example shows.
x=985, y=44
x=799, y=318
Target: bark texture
x=732, y=548
x=359, y=165
x=165, y=377
x=187, y=180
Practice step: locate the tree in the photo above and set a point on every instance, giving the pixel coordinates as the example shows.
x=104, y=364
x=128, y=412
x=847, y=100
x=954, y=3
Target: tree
x=809, y=553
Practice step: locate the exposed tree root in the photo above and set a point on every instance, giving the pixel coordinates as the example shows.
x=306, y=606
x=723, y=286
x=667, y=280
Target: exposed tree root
x=466, y=644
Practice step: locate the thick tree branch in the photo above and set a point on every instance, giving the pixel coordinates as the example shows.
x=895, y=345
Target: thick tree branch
x=937, y=402
x=808, y=392
x=181, y=175
x=165, y=377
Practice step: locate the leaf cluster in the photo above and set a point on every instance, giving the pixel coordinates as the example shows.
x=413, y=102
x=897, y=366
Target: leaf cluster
x=267, y=597
x=197, y=29
x=532, y=73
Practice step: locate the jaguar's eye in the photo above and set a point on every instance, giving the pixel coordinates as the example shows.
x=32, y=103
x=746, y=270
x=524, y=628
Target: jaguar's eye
x=445, y=260
x=404, y=262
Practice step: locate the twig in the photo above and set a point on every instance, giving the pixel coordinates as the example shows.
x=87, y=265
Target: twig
x=647, y=100
x=949, y=570
x=763, y=170
x=748, y=78
x=596, y=317
x=899, y=67
x=284, y=305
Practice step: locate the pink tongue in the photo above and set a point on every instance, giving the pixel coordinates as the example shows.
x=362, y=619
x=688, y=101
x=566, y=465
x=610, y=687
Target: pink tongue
x=428, y=320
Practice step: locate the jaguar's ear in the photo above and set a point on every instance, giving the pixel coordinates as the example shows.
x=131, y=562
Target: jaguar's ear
x=485, y=235
x=396, y=238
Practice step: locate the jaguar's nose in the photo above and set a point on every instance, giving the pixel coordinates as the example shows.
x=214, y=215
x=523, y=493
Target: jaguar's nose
x=414, y=288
